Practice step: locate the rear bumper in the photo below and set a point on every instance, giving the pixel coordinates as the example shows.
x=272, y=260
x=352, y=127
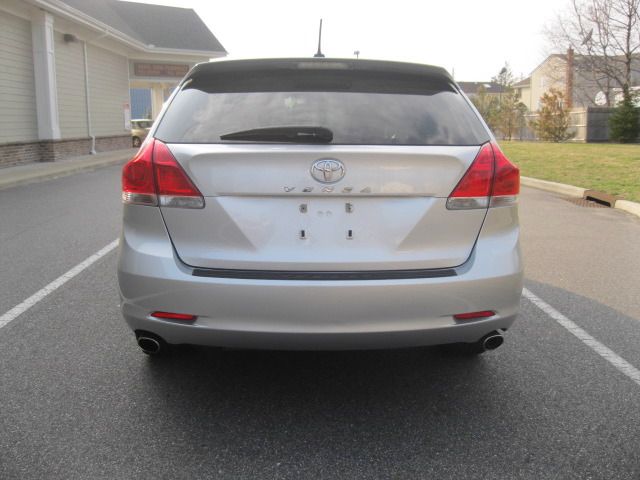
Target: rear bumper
x=310, y=314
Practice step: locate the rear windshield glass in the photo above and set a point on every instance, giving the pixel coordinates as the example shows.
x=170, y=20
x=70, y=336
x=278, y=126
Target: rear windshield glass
x=371, y=110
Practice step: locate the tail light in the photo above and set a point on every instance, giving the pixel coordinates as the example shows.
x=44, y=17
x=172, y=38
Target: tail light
x=138, y=183
x=154, y=177
x=506, y=180
x=491, y=181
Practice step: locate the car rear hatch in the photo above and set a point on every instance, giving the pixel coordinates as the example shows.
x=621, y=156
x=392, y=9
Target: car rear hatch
x=280, y=193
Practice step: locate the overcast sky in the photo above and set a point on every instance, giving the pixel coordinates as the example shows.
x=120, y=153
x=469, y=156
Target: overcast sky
x=473, y=37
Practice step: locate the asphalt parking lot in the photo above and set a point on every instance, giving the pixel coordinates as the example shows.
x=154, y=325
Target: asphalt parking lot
x=560, y=400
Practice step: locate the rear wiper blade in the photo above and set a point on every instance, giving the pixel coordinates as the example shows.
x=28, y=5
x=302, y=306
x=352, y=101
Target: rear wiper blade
x=283, y=134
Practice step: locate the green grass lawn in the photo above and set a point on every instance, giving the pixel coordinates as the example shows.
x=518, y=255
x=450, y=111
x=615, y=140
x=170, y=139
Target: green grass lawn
x=611, y=168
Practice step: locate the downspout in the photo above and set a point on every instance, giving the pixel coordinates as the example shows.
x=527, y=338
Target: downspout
x=88, y=99
x=86, y=91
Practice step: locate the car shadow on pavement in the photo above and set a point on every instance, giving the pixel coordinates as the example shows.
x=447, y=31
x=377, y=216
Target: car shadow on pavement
x=282, y=409
x=322, y=384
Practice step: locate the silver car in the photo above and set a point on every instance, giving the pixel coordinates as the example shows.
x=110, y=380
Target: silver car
x=319, y=204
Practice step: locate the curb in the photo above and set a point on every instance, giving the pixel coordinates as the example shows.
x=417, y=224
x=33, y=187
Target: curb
x=630, y=207
x=53, y=170
x=562, y=188
x=571, y=191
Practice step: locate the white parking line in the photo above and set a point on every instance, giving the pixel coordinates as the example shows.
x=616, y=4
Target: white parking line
x=57, y=283
x=605, y=352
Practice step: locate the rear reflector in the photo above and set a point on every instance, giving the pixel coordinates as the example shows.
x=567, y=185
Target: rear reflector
x=491, y=181
x=474, y=315
x=154, y=177
x=174, y=316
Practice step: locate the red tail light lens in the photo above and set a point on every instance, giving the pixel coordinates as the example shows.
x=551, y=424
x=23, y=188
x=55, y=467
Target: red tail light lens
x=491, y=180
x=507, y=176
x=155, y=177
x=138, y=183
x=174, y=316
x=477, y=181
x=170, y=177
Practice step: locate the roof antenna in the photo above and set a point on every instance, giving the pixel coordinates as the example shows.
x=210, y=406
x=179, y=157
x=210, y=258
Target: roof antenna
x=319, y=53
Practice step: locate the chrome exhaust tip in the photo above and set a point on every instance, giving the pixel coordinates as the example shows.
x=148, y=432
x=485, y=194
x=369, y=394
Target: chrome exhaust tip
x=149, y=345
x=492, y=341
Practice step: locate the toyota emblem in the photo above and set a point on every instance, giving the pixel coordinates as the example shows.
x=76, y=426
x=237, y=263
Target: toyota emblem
x=328, y=170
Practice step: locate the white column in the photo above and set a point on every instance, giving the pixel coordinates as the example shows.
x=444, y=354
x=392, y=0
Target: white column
x=157, y=99
x=44, y=69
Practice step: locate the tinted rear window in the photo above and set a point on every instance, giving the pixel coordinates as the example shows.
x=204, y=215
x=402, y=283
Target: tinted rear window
x=359, y=109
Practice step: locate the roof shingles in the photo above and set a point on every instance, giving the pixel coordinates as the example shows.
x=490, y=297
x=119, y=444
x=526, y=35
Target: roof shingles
x=157, y=25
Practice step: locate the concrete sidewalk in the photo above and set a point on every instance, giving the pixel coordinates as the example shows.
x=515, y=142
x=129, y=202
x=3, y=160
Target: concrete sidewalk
x=39, y=171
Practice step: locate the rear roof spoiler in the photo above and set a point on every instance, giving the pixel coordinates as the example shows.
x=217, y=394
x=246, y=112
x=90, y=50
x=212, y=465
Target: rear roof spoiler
x=325, y=64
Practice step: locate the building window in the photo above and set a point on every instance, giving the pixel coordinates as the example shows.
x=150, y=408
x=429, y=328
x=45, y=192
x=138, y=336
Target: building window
x=141, y=103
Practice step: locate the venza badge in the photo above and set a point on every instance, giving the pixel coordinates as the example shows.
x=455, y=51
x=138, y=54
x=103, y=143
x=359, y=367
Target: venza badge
x=327, y=170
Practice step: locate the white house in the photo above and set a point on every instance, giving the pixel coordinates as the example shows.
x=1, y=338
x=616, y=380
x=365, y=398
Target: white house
x=574, y=76
x=67, y=68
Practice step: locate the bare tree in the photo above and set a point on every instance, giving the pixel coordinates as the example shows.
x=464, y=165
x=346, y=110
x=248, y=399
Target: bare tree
x=508, y=111
x=605, y=36
x=488, y=106
x=505, y=77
